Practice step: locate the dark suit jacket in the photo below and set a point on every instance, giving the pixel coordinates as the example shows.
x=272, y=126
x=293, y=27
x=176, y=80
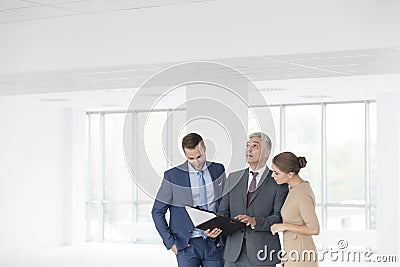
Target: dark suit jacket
x=265, y=206
x=174, y=193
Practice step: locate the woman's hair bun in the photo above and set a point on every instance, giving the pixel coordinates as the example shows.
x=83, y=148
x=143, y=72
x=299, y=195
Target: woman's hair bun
x=302, y=162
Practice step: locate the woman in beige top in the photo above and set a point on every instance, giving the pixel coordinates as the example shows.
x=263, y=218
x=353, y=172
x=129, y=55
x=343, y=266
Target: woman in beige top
x=298, y=212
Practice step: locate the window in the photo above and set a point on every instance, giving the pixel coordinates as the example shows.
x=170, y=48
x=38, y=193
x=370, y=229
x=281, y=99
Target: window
x=116, y=208
x=303, y=137
x=338, y=140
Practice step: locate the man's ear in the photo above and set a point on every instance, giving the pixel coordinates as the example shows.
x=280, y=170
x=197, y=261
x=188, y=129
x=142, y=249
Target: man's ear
x=267, y=153
x=204, y=147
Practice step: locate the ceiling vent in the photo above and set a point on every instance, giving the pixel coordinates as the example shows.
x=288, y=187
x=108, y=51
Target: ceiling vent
x=314, y=96
x=271, y=89
x=55, y=100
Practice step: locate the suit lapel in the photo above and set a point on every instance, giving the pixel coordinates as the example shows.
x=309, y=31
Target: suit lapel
x=245, y=181
x=213, y=175
x=217, y=182
x=184, y=181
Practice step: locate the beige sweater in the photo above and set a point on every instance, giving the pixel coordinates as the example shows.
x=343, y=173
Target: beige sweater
x=299, y=209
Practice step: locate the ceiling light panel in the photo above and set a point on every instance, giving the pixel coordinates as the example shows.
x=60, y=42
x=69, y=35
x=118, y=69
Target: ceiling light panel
x=132, y=4
x=9, y=17
x=11, y=4
x=38, y=9
x=127, y=74
x=54, y=2
x=324, y=55
x=336, y=60
x=252, y=63
x=92, y=6
x=368, y=69
x=42, y=12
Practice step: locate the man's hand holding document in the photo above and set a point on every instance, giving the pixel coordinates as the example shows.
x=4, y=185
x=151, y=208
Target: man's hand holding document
x=203, y=219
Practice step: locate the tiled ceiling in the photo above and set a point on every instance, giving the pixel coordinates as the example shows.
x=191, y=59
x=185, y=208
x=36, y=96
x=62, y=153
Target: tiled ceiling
x=23, y=10
x=258, y=68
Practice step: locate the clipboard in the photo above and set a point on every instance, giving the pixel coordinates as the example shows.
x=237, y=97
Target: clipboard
x=204, y=219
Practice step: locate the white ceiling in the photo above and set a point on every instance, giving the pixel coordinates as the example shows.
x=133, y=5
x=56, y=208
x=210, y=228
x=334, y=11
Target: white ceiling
x=21, y=10
x=304, y=78
x=329, y=89
x=260, y=68
x=289, y=78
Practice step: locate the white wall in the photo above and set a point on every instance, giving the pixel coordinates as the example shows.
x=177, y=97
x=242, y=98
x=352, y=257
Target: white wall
x=37, y=163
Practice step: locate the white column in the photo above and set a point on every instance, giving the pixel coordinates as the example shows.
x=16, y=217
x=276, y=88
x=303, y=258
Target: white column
x=388, y=173
x=75, y=176
x=221, y=117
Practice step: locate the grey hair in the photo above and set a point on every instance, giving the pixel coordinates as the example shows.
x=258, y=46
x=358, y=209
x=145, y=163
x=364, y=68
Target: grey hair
x=265, y=139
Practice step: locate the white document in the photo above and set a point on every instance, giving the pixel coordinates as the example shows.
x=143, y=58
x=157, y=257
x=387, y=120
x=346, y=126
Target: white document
x=199, y=216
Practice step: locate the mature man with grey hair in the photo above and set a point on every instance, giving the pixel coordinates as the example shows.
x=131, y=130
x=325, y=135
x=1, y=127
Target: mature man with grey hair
x=253, y=197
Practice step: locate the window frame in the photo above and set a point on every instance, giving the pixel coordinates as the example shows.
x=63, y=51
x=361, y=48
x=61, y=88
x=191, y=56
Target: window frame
x=324, y=204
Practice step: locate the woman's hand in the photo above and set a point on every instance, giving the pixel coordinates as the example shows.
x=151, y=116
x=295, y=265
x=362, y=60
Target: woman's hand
x=278, y=227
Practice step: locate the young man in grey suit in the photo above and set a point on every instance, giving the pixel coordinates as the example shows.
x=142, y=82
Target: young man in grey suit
x=253, y=197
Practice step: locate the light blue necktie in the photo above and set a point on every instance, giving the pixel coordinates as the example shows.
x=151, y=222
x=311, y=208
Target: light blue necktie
x=203, y=191
x=203, y=198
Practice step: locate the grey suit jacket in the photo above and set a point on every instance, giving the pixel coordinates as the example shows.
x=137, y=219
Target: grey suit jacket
x=265, y=206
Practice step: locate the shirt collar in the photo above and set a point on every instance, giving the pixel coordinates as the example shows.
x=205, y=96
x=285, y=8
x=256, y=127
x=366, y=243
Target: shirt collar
x=191, y=169
x=260, y=171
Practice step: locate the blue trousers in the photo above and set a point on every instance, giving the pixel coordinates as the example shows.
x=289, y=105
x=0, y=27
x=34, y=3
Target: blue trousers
x=201, y=252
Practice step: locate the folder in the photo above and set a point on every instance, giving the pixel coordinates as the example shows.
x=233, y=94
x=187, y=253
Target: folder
x=204, y=219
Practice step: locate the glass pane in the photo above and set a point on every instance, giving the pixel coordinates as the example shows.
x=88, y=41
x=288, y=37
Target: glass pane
x=93, y=190
x=143, y=197
x=345, y=131
x=318, y=211
x=92, y=222
x=253, y=126
x=373, y=218
x=303, y=137
x=152, y=155
x=118, y=223
x=276, y=115
x=345, y=218
x=178, y=132
x=144, y=213
x=118, y=182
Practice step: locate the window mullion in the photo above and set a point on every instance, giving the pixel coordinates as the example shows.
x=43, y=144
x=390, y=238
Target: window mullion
x=282, y=128
x=135, y=157
x=324, y=167
x=102, y=177
x=367, y=160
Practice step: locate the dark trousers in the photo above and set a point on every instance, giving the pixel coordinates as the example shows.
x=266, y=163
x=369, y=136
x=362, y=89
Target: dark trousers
x=201, y=252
